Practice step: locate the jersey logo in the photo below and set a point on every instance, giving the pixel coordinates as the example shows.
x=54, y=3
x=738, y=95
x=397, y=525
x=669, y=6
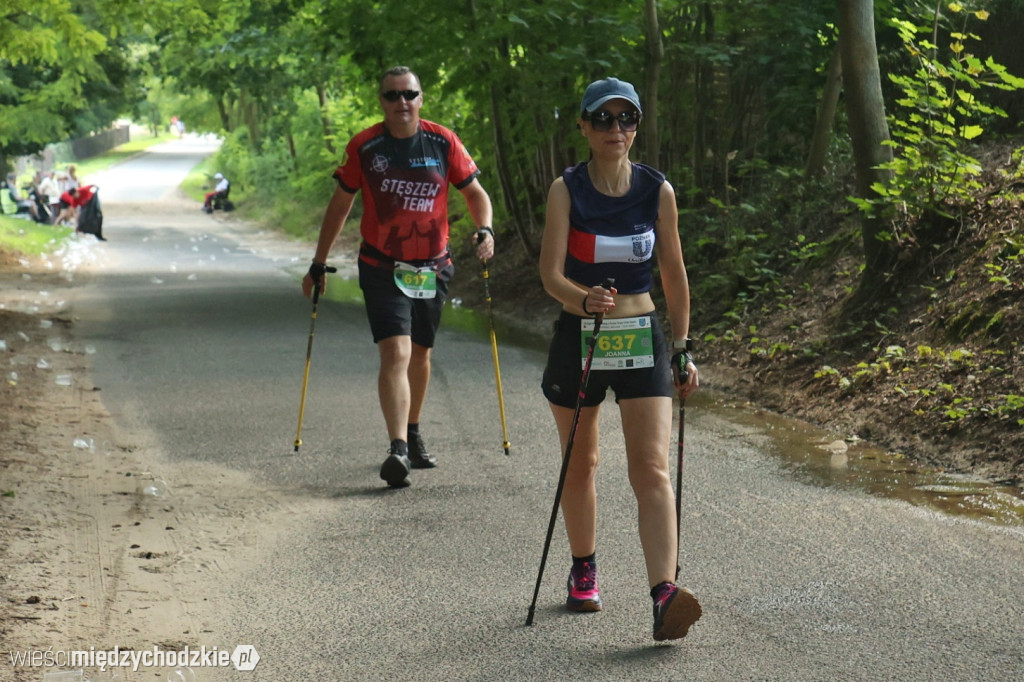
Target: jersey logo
x=379, y=163
x=424, y=162
x=642, y=246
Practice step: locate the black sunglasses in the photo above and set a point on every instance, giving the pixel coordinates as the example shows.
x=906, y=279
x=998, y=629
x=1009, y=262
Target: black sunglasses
x=393, y=95
x=601, y=120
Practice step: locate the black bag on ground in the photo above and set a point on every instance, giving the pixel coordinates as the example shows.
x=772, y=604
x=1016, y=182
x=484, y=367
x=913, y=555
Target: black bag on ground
x=90, y=216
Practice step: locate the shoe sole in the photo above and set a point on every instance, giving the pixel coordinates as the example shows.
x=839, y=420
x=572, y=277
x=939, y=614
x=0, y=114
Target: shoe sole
x=683, y=612
x=583, y=605
x=395, y=472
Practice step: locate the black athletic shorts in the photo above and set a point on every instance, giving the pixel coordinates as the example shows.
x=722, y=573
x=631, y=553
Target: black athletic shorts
x=392, y=313
x=564, y=371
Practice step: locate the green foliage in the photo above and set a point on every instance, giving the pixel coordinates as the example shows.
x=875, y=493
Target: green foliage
x=940, y=109
x=736, y=256
x=744, y=81
x=951, y=399
x=511, y=87
x=66, y=69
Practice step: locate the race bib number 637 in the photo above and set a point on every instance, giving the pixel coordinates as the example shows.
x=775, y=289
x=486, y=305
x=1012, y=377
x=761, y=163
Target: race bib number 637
x=623, y=343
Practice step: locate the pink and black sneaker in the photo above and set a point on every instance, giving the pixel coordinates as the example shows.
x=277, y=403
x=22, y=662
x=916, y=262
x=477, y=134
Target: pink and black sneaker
x=675, y=610
x=584, y=595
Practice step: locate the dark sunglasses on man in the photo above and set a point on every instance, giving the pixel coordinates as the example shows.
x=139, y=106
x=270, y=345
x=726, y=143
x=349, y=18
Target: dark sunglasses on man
x=393, y=95
x=602, y=119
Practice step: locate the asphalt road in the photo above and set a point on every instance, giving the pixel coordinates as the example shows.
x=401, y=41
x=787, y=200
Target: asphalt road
x=201, y=336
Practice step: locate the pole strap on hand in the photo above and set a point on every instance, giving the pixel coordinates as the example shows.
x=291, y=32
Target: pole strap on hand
x=318, y=270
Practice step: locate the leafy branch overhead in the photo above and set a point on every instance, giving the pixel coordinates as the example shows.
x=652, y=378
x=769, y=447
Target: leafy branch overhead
x=940, y=109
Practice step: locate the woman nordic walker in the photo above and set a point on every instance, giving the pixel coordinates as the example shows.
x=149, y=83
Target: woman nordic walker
x=403, y=166
x=608, y=218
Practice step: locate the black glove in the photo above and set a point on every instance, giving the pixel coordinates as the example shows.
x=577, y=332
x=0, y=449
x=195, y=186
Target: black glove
x=679, y=361
x=317, y=271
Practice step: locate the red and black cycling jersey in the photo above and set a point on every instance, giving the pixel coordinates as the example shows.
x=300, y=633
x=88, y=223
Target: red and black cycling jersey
x=405, y=187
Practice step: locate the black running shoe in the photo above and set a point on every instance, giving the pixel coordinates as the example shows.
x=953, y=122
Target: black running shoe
x=675, y=610
x=395, y=469
x=418, y=455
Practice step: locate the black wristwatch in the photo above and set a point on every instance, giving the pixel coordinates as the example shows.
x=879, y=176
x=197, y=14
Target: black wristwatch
x=684, y=345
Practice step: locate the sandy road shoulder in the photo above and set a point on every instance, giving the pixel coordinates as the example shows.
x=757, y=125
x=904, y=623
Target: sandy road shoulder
x=89, y=559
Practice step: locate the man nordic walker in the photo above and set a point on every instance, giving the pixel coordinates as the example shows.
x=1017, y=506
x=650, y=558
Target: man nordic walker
x=403, y=166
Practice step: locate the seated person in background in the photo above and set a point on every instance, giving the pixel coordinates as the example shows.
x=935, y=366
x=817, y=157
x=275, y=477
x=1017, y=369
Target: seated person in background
x=68, y=201
x=220, y=191
x=50, y=193
x=7, y=205
x=38, y=198
x=24, y=204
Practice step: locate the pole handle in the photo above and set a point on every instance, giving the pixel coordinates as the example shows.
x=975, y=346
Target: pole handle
x=316, y=285
x=608, y=283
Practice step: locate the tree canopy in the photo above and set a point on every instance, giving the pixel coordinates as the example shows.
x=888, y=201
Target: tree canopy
x=732, y=93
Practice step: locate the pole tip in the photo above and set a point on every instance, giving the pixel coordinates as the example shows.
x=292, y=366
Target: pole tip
x=506, y=445
x=529, y=617
x=297, y=444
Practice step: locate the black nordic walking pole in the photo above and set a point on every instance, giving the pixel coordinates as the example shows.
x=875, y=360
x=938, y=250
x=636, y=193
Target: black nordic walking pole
x=494, y=351
x=591, y=343
x=683, y=377
x=309, y=354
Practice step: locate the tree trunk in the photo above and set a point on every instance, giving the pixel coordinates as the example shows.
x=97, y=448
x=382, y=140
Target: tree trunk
x=519, y=222
x=292, y=152
x=826, y=115
x=655, y=52
x=869, y=131
x=704, y=103
x=520, y=219
x=222, y=109
x=325, y=122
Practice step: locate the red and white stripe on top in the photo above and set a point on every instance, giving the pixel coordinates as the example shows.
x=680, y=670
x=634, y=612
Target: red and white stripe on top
x=594, y=248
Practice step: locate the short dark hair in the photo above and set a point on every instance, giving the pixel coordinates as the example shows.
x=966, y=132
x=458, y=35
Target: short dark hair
x=398, y=71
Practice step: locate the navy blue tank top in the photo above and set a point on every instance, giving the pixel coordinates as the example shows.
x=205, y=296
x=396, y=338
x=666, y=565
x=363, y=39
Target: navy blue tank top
x=612, y=236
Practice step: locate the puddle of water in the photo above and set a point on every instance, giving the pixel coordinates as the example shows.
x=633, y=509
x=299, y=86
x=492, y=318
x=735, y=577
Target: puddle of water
x=811, y=454
x=815, y=457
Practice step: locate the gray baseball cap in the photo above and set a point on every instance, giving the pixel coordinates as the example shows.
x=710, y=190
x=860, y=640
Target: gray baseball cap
x=606, y=89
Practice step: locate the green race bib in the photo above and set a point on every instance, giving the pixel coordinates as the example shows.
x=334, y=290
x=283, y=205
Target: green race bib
x=415, y=282
x=623, y=343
